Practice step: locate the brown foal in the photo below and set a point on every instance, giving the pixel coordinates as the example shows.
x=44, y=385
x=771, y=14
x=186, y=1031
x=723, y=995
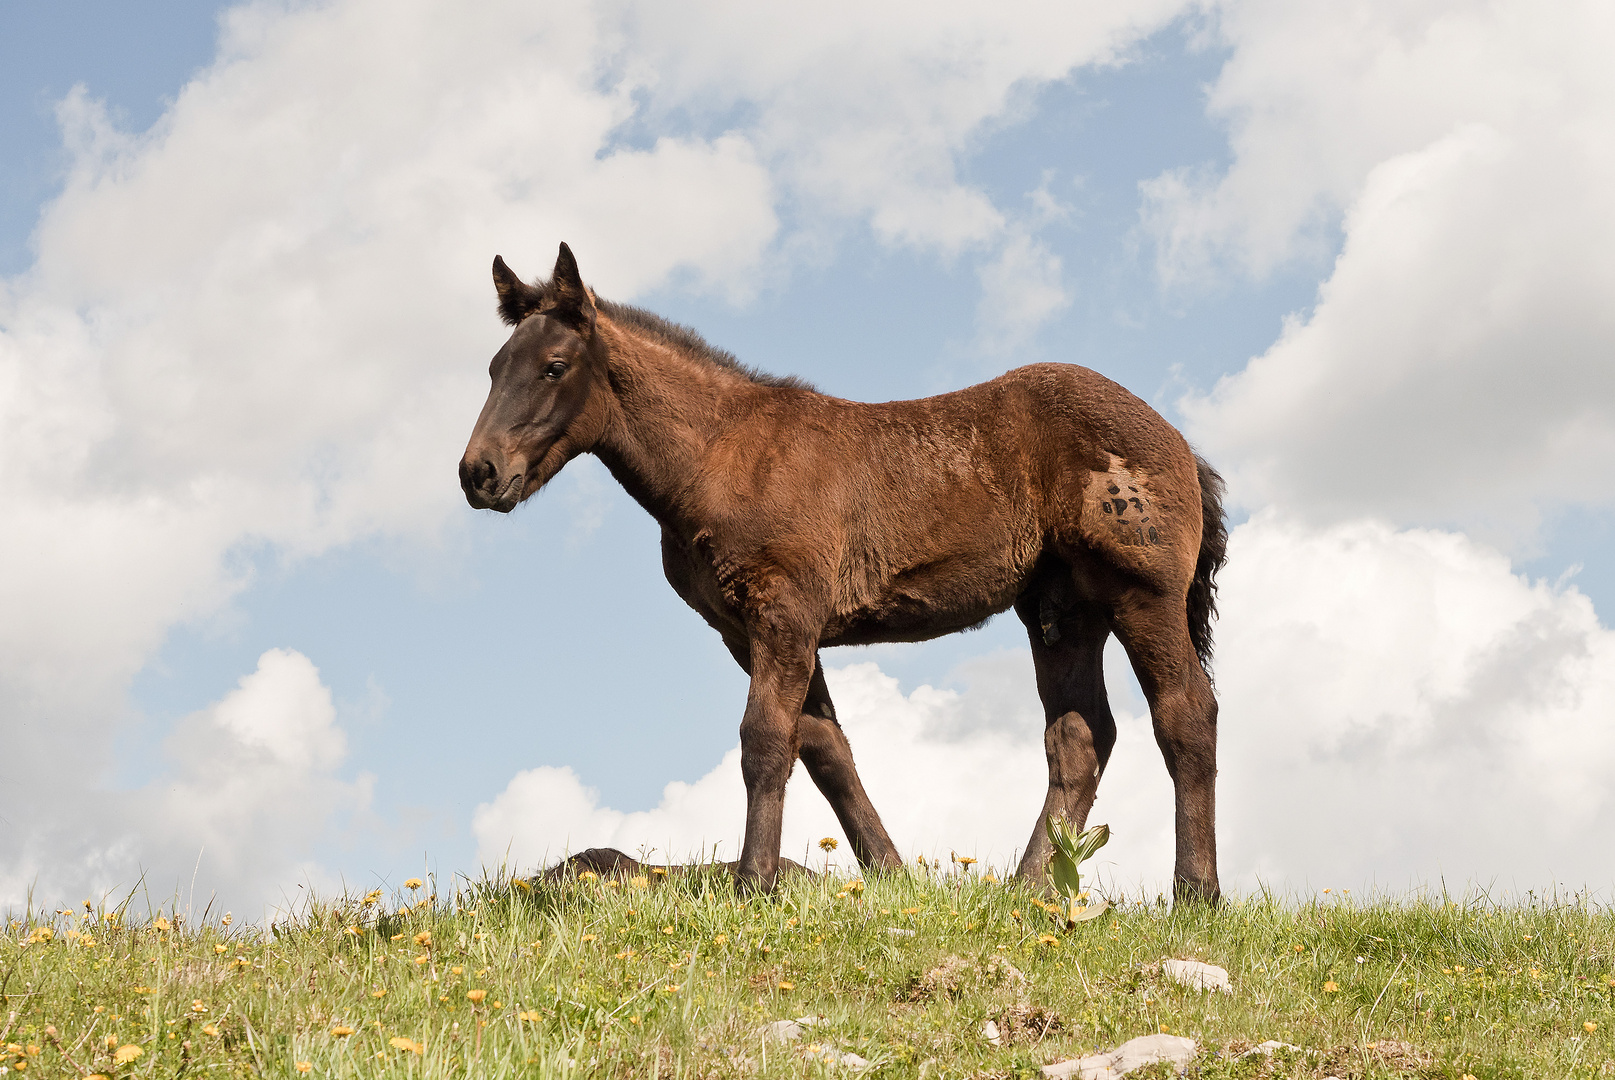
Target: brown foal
x=792, y=521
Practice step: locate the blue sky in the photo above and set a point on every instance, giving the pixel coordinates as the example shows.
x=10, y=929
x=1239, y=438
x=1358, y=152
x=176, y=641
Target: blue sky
x=410, y=608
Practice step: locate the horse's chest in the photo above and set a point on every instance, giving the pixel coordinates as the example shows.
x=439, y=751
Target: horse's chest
x=721, y=586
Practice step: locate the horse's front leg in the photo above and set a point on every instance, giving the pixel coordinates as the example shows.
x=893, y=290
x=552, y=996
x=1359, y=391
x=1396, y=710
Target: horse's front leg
x=781, y=671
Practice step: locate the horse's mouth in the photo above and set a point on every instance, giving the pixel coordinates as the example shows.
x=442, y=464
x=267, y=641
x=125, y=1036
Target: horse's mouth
x=504, y=500
x=511, y=494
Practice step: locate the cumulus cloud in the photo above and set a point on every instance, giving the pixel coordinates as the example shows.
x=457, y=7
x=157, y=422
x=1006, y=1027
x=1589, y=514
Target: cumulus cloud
x=1397, y=706
x=249, y=785
x=1455, y=368
x=942, y=775
x=1020, y=290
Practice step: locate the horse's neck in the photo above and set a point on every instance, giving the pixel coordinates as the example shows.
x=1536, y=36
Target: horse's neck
x=670, y=406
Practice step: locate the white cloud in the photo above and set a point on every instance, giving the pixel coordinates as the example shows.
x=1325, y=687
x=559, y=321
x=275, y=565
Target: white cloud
x=1456, y=367
x=1020, y=291
x=943, y=776
x=250, y=785
x=862, y=109
x=1396, y=706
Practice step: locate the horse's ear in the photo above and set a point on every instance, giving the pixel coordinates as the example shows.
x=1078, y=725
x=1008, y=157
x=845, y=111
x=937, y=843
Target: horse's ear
x=567, y=298
x=517, y=299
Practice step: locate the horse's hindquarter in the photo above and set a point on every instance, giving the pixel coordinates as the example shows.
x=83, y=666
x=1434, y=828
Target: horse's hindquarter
x=1124, y=493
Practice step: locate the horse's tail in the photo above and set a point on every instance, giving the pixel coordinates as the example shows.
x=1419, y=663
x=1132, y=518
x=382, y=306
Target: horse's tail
x=1213, y=553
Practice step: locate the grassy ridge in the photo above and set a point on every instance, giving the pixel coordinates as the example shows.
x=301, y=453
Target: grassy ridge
x=646, y=978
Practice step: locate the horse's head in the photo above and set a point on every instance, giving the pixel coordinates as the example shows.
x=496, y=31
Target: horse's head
x=547, y=402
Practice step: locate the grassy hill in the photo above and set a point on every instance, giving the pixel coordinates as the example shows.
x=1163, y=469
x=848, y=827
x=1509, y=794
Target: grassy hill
x=656, y=977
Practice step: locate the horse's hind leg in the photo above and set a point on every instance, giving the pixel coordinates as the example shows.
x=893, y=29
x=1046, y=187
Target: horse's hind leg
x=1068, y=646
x=828, y=757
x=1155, y=631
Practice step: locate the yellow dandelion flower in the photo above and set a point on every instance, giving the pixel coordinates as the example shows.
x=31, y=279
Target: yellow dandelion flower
x=1331, y=987
x=841, y=895
x=588, y=938
x=398, y=1042
x=413, y=883
x=829, y=843
x=911, y=911
x=667, y=929
x=498, y=1004
x=378, y=993
x=1590, y=1025
x=588, y=875
x=639, y=882
x=422, y=959
x=671, y=988
x=354, y=930
x=305, y=1066
x=1300, y=948
x=856, y=886
x=530, y=1017
x=424, y=938
x=220, y=950
x=342, y=1031
x=126, y=1053
x=395, y=937
x=721, y=939
x=161, y=925
x=659, y=871
x=456, y=971
x=966, y=861
x=210, y=1030
x=989, y=876
x=475, y=996
x=787, y=985
x=198, y=1006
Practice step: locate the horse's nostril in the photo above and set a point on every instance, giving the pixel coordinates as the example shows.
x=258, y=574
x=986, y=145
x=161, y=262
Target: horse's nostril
x=476, y=474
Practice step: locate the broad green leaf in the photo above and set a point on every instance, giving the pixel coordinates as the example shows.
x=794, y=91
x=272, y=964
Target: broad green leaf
x=1065, y=860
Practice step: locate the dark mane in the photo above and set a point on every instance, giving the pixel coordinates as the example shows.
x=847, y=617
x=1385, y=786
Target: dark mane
x=689, y=342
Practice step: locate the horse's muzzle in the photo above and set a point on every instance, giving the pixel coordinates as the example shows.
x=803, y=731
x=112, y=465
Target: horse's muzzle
x=479, y=479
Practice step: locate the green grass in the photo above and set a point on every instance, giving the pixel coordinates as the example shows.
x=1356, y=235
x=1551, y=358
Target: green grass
x=649, y=979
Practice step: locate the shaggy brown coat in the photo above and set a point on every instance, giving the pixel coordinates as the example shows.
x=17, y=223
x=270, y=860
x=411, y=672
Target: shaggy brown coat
x=792, y=520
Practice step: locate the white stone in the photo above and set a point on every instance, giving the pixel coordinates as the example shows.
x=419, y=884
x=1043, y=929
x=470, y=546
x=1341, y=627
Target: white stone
x=1193, y=973
x=898, y=931
x=1266, y=1048
x=989, y=1031
x=1130, y=1055
x=783, y=1031
x=791, y=1031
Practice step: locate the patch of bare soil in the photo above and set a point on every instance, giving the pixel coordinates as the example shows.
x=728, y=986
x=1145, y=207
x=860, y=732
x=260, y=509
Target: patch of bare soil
x=1027, y=1023
x=958, y=975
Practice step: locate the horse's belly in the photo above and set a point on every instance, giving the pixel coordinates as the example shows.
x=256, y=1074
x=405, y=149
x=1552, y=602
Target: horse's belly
x=927, y=602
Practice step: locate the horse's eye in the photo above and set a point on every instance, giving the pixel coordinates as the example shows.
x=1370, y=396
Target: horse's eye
x=555, y=370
